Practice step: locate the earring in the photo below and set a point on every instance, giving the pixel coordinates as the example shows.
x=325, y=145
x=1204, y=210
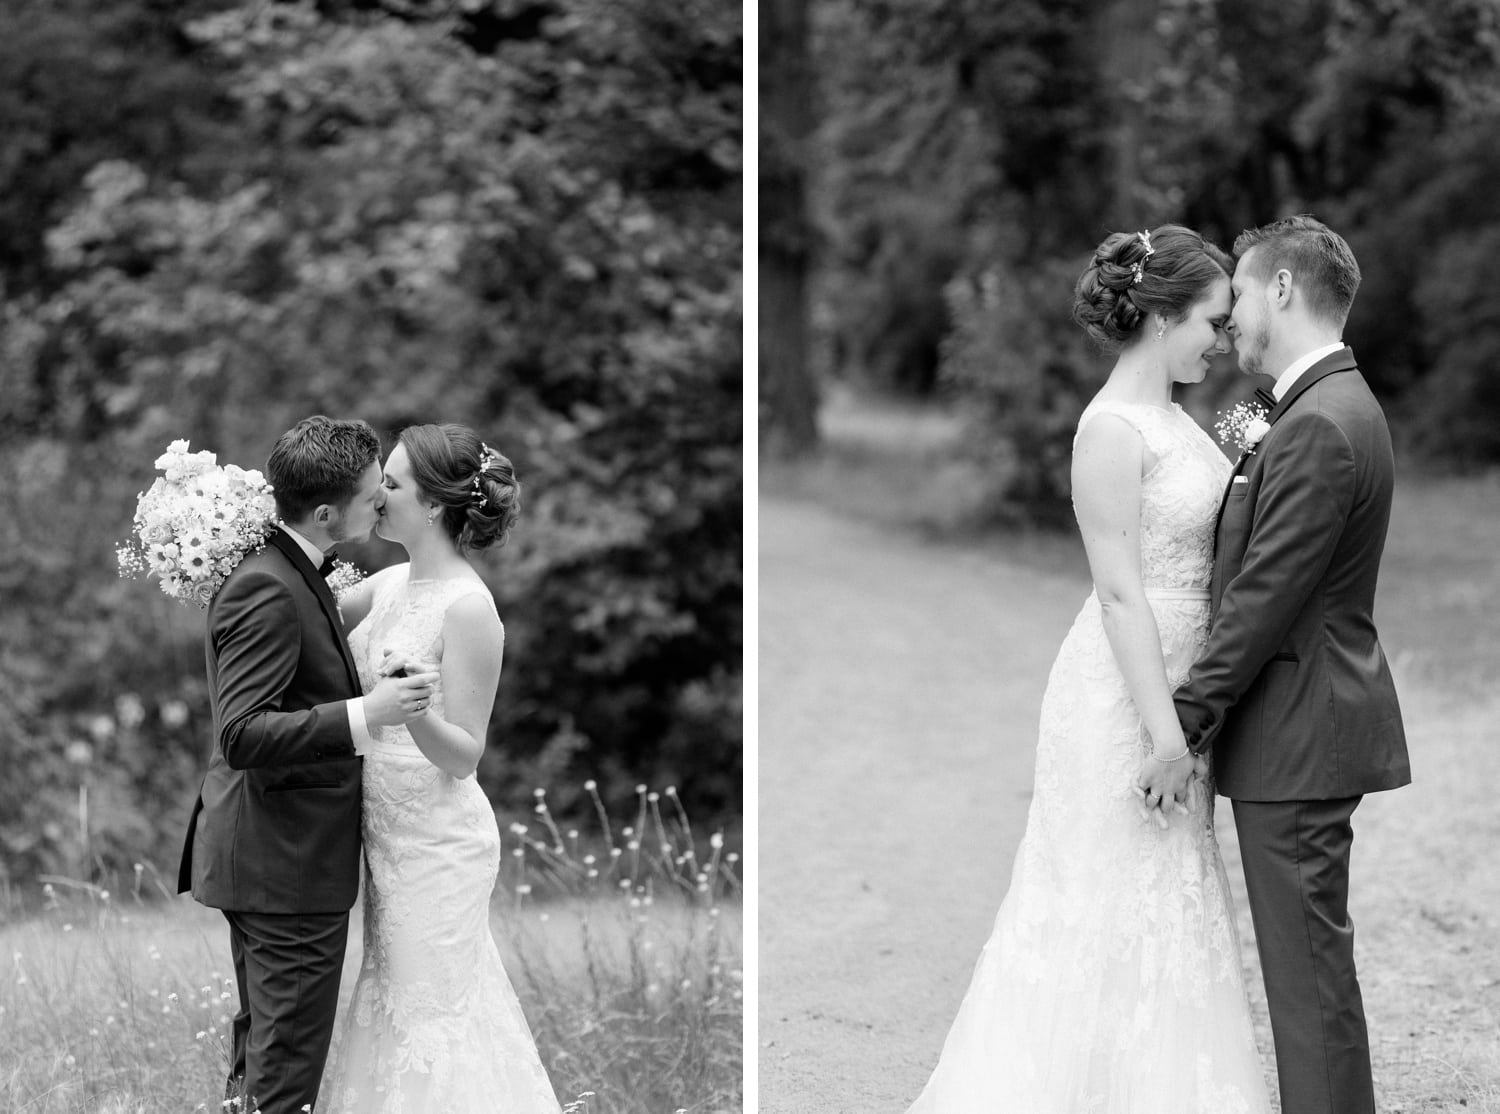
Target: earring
x=1161, y=330
x=432, y=514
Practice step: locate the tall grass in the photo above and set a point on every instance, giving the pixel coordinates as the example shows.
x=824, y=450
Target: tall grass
x=623, y=943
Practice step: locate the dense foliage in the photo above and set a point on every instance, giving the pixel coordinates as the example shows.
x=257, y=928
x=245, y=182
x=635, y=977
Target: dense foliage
x=520, y=216
x=970, y=154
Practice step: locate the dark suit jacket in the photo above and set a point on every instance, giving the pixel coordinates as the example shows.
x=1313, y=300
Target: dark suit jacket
x=1293, y=691
x=275, y=828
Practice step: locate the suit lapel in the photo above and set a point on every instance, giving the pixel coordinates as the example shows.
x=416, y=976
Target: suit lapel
x=1328, y=365
x=326, y=601
x=1338, y=361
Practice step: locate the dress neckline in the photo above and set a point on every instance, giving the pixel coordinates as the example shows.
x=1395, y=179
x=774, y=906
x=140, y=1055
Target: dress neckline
x=1170, y=408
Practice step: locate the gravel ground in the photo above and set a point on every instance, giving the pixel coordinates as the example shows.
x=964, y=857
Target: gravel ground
x=900, y=684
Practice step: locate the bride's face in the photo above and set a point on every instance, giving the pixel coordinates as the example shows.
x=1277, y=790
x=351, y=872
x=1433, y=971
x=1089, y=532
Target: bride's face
x=1194, y=341
x=404, y=515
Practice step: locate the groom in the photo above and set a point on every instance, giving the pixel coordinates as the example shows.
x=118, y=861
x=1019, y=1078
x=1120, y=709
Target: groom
x=1292, y=692
x=274, y=837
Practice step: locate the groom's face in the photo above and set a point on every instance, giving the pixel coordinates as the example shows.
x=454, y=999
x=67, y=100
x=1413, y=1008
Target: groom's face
x=362, y=510
x=1252, y=321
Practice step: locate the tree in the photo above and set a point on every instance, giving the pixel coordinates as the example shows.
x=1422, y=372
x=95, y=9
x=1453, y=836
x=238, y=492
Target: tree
x=789, y=394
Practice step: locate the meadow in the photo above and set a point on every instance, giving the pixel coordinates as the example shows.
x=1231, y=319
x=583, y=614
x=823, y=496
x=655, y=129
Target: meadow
x=1425, y=893
x=623, y=944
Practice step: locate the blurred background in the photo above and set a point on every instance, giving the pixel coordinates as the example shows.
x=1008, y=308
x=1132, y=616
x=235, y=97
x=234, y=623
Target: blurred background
x=217, y=218
x=935, y=174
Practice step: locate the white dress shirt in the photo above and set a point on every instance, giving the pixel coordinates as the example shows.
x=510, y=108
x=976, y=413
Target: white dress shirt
x=1294, y=372
x=358, y=727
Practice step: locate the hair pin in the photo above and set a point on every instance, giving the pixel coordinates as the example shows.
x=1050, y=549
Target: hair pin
x=1138, y=269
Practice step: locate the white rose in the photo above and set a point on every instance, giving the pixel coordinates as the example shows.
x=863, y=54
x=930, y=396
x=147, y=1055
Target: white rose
x=1255, y=430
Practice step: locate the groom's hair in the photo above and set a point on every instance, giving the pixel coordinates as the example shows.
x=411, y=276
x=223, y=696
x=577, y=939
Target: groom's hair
x=1321, y=263
x=319, y=460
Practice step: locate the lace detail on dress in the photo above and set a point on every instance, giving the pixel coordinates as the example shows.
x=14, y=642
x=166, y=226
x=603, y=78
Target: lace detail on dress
x=1180, y=495
x=433, y=1023
x=406, y=617
x=1112, y=979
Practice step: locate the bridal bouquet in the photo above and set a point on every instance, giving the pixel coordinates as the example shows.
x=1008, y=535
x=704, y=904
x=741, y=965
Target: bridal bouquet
x=195, y=523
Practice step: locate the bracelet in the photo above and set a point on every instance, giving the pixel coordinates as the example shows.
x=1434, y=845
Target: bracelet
x=1186, y=750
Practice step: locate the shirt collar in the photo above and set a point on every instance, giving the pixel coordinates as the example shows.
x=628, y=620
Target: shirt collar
x=1294, y=372
x=310, y=551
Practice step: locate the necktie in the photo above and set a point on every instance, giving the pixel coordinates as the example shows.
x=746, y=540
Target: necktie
x=327, y=566
x=1265, y=398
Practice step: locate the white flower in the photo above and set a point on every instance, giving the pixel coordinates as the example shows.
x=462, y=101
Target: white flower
x=163, y=556
x=343, y=578
x=196, y=522
x=1243, y=426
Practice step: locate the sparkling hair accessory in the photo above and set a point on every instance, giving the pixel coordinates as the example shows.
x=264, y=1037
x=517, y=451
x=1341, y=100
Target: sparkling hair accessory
x=487, y=456
x=1138, y=269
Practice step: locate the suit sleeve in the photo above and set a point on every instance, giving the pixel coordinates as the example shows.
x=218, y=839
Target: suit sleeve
x=1305, y=497
x=255, y=635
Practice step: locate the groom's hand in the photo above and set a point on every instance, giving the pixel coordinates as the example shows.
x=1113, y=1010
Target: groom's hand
x=397, y=700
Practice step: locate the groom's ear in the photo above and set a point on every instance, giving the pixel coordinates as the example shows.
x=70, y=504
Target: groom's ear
x=323, y=514
x=1281, y=287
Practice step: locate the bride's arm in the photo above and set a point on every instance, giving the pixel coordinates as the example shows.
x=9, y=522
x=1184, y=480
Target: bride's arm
x=1108, y=462
x=473, y=644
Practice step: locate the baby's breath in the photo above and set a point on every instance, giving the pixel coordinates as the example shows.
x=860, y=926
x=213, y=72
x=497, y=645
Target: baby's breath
x=345, y=576
x=1233, y=425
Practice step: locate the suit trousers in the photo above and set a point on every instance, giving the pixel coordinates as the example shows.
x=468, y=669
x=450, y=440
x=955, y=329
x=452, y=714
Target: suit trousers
x=288, y=967
x=1296, y=863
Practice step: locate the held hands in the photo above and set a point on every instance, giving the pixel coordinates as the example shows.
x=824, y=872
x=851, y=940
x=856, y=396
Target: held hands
x=403, y=693
x=1170, y=786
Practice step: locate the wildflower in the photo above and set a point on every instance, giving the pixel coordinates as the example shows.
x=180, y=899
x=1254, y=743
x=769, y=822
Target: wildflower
x=130, y=710
x=590, y=785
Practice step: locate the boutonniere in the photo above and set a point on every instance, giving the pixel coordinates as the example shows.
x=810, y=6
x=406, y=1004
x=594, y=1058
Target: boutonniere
x=345, y=575
x=1243, y=426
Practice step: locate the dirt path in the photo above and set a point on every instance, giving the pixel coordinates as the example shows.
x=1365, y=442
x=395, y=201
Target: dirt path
x=900, y=685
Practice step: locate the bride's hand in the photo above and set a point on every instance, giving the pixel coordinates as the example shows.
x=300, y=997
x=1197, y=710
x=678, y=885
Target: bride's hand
x=1164, y=786
x=400, y=665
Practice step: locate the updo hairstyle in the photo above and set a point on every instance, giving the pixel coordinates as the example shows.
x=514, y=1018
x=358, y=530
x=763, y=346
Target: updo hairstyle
x=1134, y=275
x=475, y=487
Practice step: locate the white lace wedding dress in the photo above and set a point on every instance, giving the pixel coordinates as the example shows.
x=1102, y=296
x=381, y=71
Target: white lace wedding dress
x=1111, y=983
x=433, y=1024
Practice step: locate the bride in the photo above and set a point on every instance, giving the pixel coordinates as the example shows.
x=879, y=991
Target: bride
x=1111, y=982
x=433, y=1024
